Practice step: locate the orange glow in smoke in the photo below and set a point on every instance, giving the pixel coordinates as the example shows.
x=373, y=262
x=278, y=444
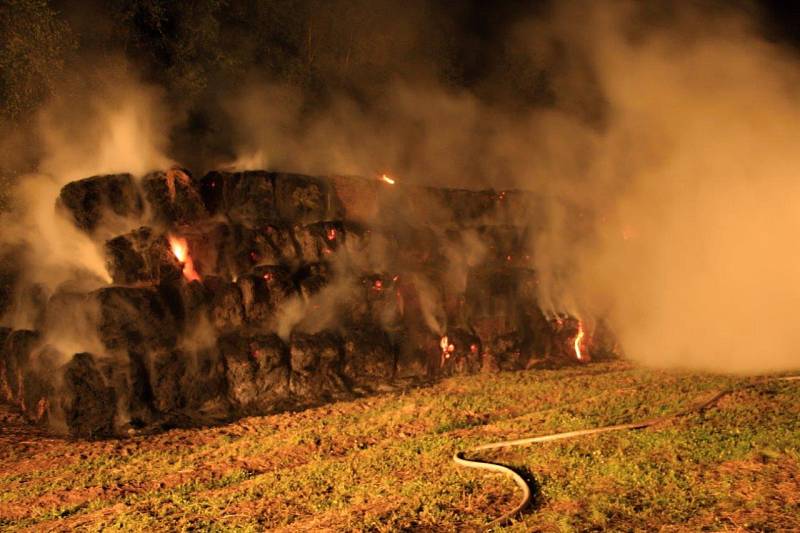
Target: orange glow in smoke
x=447, y=348
x=578, y=340
x=331, y=234
x=180, y=249
x=387, y=179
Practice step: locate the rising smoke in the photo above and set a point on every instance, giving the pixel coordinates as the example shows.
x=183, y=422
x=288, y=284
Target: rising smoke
x=664, y=154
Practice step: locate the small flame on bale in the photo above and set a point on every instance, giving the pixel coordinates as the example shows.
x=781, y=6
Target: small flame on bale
x=387, y=179
x=578, y=340
x=180, y=249
x=447, y=349
x=331, y=234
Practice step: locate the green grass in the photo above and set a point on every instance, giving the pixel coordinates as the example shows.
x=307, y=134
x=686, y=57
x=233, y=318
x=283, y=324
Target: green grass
x=384, y=463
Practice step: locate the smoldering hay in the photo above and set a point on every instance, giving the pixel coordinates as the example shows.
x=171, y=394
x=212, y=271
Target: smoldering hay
x=664, y=167
x=667, y=162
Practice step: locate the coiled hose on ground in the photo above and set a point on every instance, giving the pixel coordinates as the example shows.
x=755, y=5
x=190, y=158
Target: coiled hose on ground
x=460, y=459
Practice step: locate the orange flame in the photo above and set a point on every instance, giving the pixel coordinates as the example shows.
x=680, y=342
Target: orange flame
x=180, y=249
x=578, y=339
x=447, y=348
x=387, y=179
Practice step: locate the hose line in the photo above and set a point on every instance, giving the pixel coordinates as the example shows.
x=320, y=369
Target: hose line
x=461, y=459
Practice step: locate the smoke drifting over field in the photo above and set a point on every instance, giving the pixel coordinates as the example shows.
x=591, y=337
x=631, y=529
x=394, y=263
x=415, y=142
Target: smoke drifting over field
x=665, y=157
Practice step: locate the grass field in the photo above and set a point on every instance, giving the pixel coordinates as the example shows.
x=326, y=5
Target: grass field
x=384, y=463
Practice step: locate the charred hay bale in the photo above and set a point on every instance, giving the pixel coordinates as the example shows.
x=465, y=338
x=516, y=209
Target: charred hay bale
x=278, y=285
x=383, y=300
x=419, y=356
x=141, y=256
x=127, y=374
x=492, y=296
x=168, y=376
x=505, y=352
x=418, y=246
x=17, y=349
x=39, y=381
x=226, y=310
x=516, y=207
x=304, y=199
x=461, y=207
x=87, y=401
x=358, y=198
x=93, y=201
x=316, y=361
x=505, y=244
x=263, y=291
x=369, y=357
x=134, y=318
x=172, y=197
x=465, y=356
x=186, y=301
x=312, y=278
x=246, y=197
x=256, y=371
x=244, y=248
x=9, y=274
x=316, y=242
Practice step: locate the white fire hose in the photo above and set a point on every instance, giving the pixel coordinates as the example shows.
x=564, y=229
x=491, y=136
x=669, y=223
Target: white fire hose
x=459, y=458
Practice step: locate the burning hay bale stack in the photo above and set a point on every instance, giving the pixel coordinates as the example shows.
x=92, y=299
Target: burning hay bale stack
x=249, y=292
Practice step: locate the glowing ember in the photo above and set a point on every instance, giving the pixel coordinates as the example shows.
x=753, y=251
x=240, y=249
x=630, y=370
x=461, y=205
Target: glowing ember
x=387, y=179
x=377, y=285
x=331, y=234
x=578, y=339
x=447, y=348
x=268, y=276
x=180, y=249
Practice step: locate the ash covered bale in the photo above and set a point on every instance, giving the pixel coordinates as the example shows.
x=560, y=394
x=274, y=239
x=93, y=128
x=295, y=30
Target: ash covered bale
x=304, y=199
x=91, y=201
x=226, y=310
x=172, y=197
x=134, y=318
x=316, y=361
x=141, y=256
x=369, y=357
x=256, y=370
x=17, y=350
x=87, y=401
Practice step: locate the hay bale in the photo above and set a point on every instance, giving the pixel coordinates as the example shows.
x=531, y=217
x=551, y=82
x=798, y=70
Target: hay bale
x=93, y=201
